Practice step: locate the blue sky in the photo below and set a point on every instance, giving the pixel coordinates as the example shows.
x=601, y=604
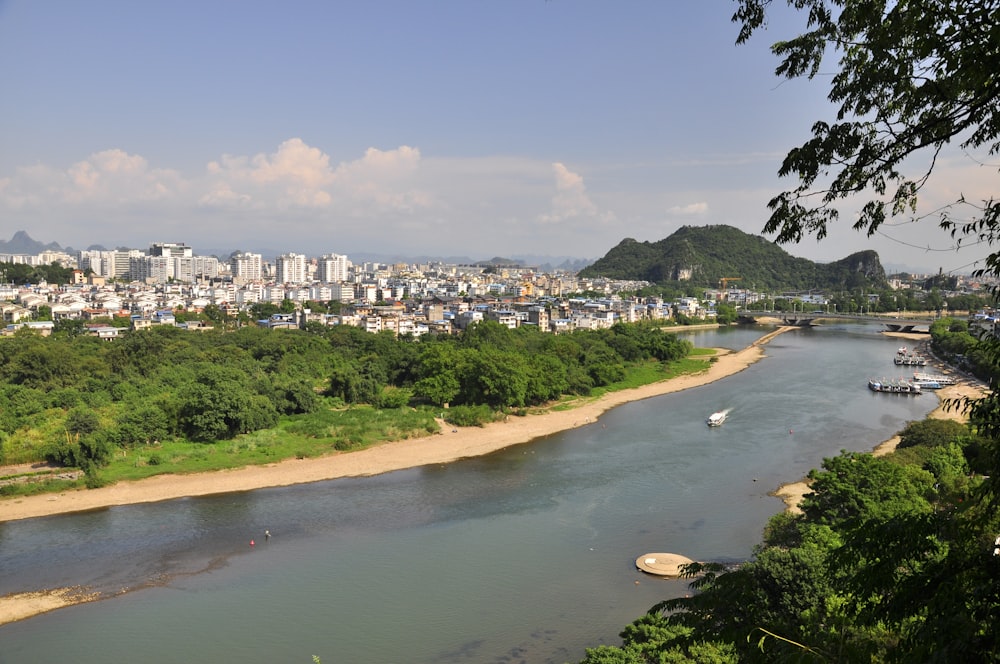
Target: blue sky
x=407, y=127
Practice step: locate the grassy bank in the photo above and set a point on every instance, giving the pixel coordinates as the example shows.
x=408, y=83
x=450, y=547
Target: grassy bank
x=329, y=430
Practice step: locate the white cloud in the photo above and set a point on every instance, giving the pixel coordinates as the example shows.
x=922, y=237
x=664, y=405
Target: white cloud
x=113, y=177
x=570, y=200
x=688, y=210
x=300, y=176
x=383, y=179
x=296, y=197
x=296, y=175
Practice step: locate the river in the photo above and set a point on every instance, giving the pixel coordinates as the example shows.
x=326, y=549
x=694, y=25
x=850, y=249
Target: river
x=524, y=555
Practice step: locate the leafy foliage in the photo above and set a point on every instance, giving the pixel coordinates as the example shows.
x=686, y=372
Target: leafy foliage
x=911, y=78
x=78, y=401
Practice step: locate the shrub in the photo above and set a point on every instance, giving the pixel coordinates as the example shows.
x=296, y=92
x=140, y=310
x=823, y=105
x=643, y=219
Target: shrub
x=932, y=433
x=469, y=416
x=394, y=397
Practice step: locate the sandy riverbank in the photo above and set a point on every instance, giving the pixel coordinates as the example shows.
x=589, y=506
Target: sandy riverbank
x=442, y=448
x=793, y=492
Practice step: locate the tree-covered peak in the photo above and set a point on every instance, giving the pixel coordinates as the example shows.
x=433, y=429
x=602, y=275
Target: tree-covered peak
x=704, y=255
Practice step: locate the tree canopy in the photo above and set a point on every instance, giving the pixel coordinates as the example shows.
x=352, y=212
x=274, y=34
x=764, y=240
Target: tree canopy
x=74, y=399
x=912, y=77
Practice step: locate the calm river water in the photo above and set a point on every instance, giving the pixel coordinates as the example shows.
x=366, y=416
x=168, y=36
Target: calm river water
x=525, y=555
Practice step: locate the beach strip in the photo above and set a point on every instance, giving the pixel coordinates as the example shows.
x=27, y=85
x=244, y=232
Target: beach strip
x=450, y=445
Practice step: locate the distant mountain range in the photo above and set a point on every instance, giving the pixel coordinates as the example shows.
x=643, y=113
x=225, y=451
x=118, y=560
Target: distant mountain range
x=705, y=255
x=22, y=243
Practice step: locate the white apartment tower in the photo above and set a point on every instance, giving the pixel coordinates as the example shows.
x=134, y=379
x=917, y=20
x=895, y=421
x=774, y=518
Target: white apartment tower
x=151, y=269
x=171, y=250
x=206, y=267
x=333, y=269
x=246, y=268
x=290, y=269
x=121, y=263
x=101, y=262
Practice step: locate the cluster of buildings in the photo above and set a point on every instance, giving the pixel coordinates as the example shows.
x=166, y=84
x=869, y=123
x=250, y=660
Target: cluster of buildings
x=143, y=289
x=149, y=288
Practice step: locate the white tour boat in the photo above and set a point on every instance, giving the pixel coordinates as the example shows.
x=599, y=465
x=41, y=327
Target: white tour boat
x=716, y=419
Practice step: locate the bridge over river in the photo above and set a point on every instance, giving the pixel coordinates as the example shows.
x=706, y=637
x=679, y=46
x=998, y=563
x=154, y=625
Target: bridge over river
x=808, y=319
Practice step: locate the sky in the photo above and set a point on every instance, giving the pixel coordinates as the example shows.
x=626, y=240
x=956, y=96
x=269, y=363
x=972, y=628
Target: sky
x=408, y=128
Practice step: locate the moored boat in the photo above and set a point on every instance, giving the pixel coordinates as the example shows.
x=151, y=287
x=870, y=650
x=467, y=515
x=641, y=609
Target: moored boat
x=940, y=379
x=927, y=384
x=909, y=360
x=894, y=386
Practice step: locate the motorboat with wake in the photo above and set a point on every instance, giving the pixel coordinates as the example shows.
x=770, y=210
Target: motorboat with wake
x=716, y=419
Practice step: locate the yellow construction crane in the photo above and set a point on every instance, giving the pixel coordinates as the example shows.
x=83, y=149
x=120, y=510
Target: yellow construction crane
x=724, y=281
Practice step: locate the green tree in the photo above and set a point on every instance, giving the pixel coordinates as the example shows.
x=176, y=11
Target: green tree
x=932, y=433
x=910, y=78
x=213, y=313
x=436, y=377
x=221, y=403
x=70, y=327
x=82, y=420
x=725, y=314
x=262, y=310
x=142, y=425
x=855, y=486
x=603, y=365
x=493, y=377
x=41, y=363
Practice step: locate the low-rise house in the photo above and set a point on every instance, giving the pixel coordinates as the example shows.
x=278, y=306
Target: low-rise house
x=280, y=322
x=42, y=327
x=13, y=313
x=103, y=332
x=196, y=326
x=561, y=325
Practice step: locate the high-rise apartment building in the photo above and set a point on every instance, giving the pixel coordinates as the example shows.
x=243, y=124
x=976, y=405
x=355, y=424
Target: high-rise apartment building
x=151, y=269
x=246, y=268
x=170, y=249
x=290, y=269
x=332, y=269
x=121, y=263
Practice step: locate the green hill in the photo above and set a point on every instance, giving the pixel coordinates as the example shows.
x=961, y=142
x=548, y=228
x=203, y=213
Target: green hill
x=703, y=255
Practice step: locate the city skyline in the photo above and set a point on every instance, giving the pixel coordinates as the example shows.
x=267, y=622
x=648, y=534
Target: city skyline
x=529, y=127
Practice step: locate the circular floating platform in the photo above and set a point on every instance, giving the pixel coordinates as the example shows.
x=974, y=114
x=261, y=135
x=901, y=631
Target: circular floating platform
x=662, y=564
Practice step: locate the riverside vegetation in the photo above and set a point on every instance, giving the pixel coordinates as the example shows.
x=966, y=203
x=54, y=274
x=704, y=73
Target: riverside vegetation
x=170, y=401
x=894, y=558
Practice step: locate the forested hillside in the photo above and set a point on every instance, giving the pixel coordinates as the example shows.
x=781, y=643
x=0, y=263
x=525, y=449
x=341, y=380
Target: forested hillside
x=703, y=255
